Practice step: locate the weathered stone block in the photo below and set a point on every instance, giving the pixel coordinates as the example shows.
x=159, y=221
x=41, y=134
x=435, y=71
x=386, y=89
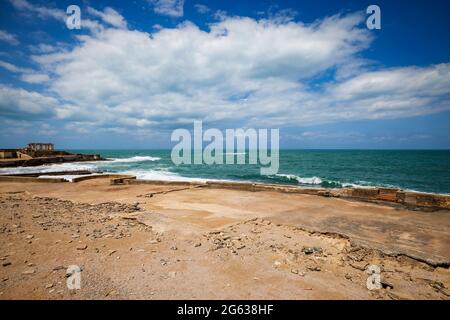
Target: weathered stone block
x=387, y=194
x=365, y=193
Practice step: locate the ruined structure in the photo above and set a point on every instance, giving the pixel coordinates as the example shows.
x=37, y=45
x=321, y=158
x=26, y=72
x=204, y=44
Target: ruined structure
x=40, y=146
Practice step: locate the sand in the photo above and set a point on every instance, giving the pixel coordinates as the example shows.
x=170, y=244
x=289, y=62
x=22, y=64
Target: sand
x=190, y=242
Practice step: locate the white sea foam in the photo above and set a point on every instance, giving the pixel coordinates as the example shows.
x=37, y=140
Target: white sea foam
x=301, y=180
x=72, y=166
x=164, y=175
x=135, y=159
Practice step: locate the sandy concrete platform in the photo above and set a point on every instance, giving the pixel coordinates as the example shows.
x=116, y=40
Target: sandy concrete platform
x=190, y=242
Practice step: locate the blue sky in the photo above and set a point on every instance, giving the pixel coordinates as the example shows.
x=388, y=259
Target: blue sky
x=136, y=70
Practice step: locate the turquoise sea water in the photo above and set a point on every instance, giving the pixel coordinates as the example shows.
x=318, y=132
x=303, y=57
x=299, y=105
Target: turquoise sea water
x=419, y=170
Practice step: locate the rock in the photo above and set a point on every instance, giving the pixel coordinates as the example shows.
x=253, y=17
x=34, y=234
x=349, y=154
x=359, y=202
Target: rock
x=173, y=248
x=360, y=265
x=294, y=271
x=111, y=252
x=313, y=268
x=386, y=284
x=82, y=246
x=6, y=263
x=311, y=250
x=29, y=237
x=276, y=264
x=57, y=268
x=29, y=271
x=50, y=285
x=111, y=293
x=198, y=244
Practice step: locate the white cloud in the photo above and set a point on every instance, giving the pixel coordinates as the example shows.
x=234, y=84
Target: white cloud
x=110, y=16
x=27, y=74
x=42, y=11
x=35, y=77
x=7, y=37
x=22, y=104
x=172, y=8
x=243, y=71
x=201, y=8
x=180, y=74
x=13, y=68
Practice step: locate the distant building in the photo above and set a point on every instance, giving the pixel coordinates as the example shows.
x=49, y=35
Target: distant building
x=32, y=150
x=39, y=146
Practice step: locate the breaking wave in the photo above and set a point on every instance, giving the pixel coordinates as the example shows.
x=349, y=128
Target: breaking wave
x=300, y=180
x=136, y=159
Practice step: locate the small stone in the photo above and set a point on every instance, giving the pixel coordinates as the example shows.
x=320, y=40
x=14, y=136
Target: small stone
x=111, y=252
x=29, y=271
x=6, y=263
x=29, y=237
x=82, y=246
x=276, y=264
x=313, y=268
x=112, y=293
x=198, y=244
x=57, y=268
x=173, y=248
x=311, y=250
x=50, y=285
x=386, y=284
x=294, y=271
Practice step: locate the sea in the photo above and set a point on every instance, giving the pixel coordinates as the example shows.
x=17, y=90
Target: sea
x=413, y=170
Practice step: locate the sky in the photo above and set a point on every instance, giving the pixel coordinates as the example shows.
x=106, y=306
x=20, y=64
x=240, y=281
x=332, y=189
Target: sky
x=137, y=70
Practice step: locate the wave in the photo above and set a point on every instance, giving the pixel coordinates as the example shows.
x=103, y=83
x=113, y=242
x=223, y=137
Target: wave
x=72, y=166
x=135, y=159
x=300, y=180
x=164, y=175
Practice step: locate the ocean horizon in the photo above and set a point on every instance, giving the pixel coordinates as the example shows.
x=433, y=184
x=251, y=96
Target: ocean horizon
x=413, y=170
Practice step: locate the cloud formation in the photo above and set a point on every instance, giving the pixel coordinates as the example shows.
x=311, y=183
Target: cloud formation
x=8, y=38
x=266, y=73
x=172, y=8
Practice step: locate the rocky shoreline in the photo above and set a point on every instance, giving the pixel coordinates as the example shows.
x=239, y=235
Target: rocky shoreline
x=50, y=160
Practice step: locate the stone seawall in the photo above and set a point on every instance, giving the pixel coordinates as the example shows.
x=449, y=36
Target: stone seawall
x=412, y=200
